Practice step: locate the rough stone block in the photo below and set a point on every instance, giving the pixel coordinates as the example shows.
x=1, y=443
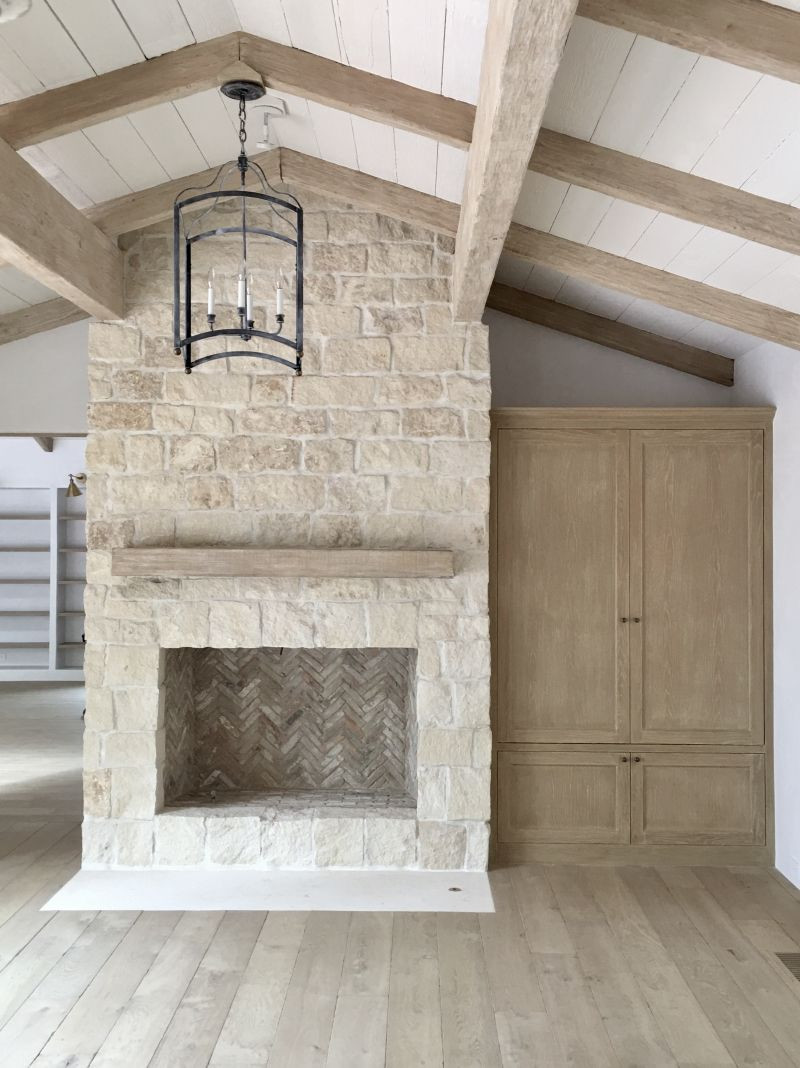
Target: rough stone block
x=390, y=843
x=234, y=840
x=183, y=624
x=468, y=794
x=134, y=793
x=425, y=493
x=209, y=491
x=134, y=844
x=192, y=454
x=180, y=841
x=392, y=626
x=442, y=847
x=445, y=746
x=131, y=665
x=338, y=842
x=235, y=624
x=431, y=793
x=331, y=455
x=287, y=843
x=356, y=355
x=433, y=423
x=392, y=457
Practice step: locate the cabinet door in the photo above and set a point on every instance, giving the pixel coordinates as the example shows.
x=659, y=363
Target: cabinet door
x=697, y=799
x=563, y=797
x=697, y=575
x=562, y=585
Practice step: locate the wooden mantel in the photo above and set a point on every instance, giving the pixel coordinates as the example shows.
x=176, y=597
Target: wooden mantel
x=282, y=563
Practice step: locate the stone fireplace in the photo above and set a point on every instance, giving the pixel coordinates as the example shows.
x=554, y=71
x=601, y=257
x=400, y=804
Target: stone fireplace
x=292, y=722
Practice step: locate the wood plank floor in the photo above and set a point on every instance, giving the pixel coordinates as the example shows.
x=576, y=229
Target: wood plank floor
x=579, y=966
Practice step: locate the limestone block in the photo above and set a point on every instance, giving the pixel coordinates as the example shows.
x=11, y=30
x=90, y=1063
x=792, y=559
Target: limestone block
x=476, y=495
x=271, y=390
x=339, y=589
x=315, y=225
x=98, y=842
x=210, y=387
x=368, y=424
x=292, y=493
x=290, y=625
x=433, y=423
x=338, y=259
x=107, y=534
x=331, y=455
x=99, y=382
x=338, y=842
x=466, y=660
x=405, y=390
x=422, y=290
x=477, y=854
x=425, y=493
x=446, y=243
x=363, y=289
x=339, y=626
x=392, y=626
x=141, y=708
x=471, y=703
x=105, y=452
x=329, y=531
x=214, y=528
x=99, y=709
x=482, y=748
x=97, y=793
x=445, y=746
x=280, y=421
x=393, y=531
x=180, y=841
x=398, y=259
x=442, y=846
x=132, y=665
x=192, y=454
x=215, y=421
x=144, y=452
x=114, y=343
x=135, y=385
x=235, y=624
x=183, y=624
x=477, y=352
x=448, y=531
x=428, y=662
x=394, y=229
x=466, y=459
x=381, y=319
x=434, y=703
x=135, y=793
x=120, y=415
x=468, y=794
x=429, y=353
x=439, y=320
x=319, y=287
x=287, y=843
x=431, y=793
x=366, y=493
x=353, y=226
x=470, y=391
x=390, y=843
x=131, y=749
x=141, y=493
x=356, y=355
x=333, y=320
x=209, y=491
x=392, y=457
x=233, y=840
x=478, y=425
x=171, y=417
x=253, y=454
x=348, y=390
x=134, y=844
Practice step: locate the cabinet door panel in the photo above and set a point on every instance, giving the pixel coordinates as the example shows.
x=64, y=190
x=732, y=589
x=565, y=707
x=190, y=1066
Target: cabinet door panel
x=562, y=586
x=563, y=797
x=698, y=799
x=697, y=560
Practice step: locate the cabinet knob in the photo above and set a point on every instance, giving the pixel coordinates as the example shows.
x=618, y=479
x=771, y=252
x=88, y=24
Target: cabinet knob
x=637, y=760
x=624, y=619
x=637, y=619
x=623, y=760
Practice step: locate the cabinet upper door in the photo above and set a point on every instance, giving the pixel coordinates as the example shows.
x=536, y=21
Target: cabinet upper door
x=697, y=575
x=561, y=585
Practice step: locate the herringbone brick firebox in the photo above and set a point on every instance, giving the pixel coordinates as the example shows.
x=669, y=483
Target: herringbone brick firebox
x=332, y=725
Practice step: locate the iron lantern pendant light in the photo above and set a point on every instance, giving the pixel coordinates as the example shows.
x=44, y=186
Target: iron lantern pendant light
x=245, y=242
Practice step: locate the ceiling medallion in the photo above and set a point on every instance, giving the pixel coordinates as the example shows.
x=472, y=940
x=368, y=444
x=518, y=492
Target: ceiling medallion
x=243, y=245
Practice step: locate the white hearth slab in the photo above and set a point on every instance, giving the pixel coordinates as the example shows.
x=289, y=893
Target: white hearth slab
x=280, y=891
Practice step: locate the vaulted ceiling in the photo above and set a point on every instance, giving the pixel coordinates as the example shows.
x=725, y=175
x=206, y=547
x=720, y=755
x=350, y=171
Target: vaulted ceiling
x=617, y=88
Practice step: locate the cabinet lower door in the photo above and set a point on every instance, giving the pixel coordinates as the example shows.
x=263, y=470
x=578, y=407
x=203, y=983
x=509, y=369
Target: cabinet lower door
x=562, y=586
x=697, y=799
x=566, y=798
x=697, y=580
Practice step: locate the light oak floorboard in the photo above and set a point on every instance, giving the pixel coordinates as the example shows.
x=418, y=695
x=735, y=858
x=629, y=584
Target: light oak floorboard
x=469, y=1035
x=414, y=1028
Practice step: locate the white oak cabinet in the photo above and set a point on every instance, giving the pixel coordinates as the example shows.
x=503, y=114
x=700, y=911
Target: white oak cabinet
x=630, y=587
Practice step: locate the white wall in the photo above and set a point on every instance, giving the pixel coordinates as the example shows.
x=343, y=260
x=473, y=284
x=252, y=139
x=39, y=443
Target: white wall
x=535, y=366
x=23, y=463
x=43, y=382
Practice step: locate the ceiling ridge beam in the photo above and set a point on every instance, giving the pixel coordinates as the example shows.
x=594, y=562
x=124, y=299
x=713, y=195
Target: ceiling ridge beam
x=660, y=287
x=47, y=238
x=37, y=318
x=652, y=185
x=749, y=33
x=611, y=334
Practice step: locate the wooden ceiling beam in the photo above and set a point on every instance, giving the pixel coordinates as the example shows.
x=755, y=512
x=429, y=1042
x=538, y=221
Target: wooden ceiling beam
x=660, y=188
x=611, y=334
x=45, y=237
x=521, y=54
x=648, y=283
x=37, y=318
x=749, y=33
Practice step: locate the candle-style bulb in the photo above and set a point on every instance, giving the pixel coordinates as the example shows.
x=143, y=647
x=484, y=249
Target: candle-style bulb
x=280, y=282
x=211, y=278
x=241, y=288
x=249, y=315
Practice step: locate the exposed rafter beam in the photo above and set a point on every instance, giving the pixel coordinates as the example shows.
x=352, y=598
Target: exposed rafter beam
x=521, y=53
x=37, y=318
x=106, y=96
x=613, y=335
x=749, y=33
x=44, y=441
x=663, y=189
x=671, y=290
x=44, y=236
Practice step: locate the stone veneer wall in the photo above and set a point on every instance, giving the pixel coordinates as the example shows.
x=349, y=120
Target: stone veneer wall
x=384, y=442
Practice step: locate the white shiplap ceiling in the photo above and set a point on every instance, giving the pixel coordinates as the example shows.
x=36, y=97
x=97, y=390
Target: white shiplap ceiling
x=614, y=88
